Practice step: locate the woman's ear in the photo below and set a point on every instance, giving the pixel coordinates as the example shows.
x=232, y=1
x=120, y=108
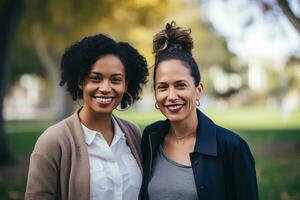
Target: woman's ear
x=199, y=90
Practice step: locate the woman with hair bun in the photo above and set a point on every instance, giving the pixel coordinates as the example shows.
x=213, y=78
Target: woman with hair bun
x=92, y=154
x=188, y=156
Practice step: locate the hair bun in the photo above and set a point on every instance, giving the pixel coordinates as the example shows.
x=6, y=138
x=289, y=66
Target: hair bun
x=173, y=38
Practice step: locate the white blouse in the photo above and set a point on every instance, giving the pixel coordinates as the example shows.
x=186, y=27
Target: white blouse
x=114, y=172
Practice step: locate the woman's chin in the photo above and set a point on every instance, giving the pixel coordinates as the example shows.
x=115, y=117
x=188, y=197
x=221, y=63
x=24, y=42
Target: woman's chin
x=174, y=117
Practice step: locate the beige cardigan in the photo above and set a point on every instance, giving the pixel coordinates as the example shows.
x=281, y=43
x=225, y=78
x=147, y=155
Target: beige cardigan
x=59, y=164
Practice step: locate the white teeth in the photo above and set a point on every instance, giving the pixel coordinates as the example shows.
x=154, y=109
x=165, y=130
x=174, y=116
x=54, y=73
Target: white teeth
x=175, y=107
x=104, y=99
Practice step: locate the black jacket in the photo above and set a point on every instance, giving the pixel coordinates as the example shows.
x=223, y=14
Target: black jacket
x=222, y=163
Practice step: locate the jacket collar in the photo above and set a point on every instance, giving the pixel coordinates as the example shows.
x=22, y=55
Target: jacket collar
x=206, y=139
x=157, y=136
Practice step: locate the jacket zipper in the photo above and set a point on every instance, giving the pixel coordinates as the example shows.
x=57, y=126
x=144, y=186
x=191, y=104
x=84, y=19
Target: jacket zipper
x=150, y=166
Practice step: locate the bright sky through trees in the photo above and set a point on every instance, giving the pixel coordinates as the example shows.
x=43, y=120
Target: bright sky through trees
x=263, y=38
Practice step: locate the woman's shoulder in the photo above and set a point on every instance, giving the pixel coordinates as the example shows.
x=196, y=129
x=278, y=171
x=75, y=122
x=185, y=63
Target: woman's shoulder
x=51, y=138
x=228, y=137
x=232, y=146
x=154, y=127
x=55, y=130
x=230, y=143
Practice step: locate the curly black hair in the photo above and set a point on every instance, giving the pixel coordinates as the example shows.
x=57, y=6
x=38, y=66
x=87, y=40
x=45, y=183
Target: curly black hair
x=78, y=59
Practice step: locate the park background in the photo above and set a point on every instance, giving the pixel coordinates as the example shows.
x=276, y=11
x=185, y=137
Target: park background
x=248, y=52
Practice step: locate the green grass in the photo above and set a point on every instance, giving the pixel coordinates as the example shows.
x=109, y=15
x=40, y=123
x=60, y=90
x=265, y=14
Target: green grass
x=270, y=136
x=22, y=144
x=27, y=126
x=275, y=144
x=278, y=177
x=254, y=118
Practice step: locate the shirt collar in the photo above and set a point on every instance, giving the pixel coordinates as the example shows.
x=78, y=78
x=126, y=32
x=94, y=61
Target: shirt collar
x=119, y=134
x=90, y=134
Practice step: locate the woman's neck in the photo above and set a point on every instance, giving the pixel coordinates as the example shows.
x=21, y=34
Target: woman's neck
x=186, y=127
x=96, y=121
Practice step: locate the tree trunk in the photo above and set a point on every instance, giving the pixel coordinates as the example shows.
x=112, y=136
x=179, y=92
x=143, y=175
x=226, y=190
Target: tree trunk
x=295, y=21
x=59, y=101
x=9, y=16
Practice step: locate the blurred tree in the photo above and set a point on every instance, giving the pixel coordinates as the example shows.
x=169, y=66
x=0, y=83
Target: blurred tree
x=265, y=16
x=286, y=9
x=271, y=9
x=9, y=14
x=24, y=61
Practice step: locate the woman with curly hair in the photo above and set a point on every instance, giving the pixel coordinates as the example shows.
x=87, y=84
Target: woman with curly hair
x=92, y=154
x=188, y=156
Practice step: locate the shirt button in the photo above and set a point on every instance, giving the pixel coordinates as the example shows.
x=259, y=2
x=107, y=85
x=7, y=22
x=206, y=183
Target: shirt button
x=201, y=187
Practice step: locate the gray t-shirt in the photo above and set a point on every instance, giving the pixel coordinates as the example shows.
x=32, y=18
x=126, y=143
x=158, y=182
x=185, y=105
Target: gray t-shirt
x=171, y=180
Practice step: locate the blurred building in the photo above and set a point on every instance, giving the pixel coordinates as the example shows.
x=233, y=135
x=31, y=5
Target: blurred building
x=26, y=99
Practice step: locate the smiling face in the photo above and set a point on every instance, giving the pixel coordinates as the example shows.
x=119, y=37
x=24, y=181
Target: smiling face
x=175, y=90
x=104, y=86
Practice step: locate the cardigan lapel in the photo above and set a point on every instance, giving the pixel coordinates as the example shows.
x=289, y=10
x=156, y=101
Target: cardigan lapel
x=74, y=124
x=82, y=161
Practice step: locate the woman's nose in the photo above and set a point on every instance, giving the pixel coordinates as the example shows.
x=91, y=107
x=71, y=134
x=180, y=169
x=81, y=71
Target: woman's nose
x=104, y=87
x=172, y=95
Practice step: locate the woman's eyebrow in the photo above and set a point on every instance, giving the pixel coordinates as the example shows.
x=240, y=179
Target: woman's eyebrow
x=161, y=83
x=181, y=81
x=97, y=73
x=117, y=74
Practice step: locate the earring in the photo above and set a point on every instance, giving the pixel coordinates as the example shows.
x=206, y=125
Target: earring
x=156, y=105
x=128, y=104
x=197, y=102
